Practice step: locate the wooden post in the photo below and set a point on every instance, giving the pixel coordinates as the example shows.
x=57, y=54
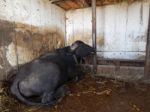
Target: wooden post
x=94, y=35
x=147, y=60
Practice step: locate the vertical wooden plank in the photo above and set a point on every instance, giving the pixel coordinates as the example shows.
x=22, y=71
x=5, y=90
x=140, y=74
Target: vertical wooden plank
x=2, y=54
x=16, y=49
x=94, y=35
x=147, y=60
x=10, y=48
x=14, y=9
x=5, y=39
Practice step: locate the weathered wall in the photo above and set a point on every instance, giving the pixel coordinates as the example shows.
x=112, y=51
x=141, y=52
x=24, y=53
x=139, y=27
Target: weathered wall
x=28, y=28
x=121, y=29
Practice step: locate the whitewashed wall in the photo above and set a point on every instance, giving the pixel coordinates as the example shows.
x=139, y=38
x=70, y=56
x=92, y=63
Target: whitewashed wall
x=121, y=29
x=28, y=28
x=39, y=13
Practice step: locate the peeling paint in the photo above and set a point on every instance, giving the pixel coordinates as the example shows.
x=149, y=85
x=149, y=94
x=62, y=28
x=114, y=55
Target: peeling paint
x=25, y=55
x=30, y=45
x=100, y=42
x=23, y=44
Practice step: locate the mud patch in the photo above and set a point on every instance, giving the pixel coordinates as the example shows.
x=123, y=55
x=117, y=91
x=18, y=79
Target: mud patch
x=26, y=46
x=100, y=41
x=21, y=43
x=89, y=95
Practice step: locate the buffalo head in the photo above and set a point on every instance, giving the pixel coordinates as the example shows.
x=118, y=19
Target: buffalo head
x=80, y=49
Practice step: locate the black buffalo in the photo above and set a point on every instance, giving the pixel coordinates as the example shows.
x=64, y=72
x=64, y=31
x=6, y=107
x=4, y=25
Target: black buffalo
x=43, y=80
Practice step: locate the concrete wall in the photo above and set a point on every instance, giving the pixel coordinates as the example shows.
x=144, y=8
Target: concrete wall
x=121, y=29
x=28, y=28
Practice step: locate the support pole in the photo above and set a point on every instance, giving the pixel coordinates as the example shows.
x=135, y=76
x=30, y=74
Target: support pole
x=94, y=35
x=147, y=60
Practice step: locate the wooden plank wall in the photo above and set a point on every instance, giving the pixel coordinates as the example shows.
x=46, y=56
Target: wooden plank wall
x=147, y=59
x=121, y=29
x=28, y=29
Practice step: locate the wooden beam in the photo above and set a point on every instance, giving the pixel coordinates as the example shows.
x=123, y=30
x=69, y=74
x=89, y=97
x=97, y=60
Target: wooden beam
x=82, y=3
x=147, y=60
x=94, y=35
x=55, y=1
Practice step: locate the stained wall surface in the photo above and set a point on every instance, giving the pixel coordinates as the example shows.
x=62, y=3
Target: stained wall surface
x=28, y=28
x=121, y=29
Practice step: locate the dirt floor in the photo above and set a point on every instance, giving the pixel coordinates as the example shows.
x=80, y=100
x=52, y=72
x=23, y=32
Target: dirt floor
x=89, y=95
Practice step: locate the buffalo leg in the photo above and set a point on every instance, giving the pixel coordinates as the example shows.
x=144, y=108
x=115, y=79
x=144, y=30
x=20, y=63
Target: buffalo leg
x=47, y=97
x=60, y=93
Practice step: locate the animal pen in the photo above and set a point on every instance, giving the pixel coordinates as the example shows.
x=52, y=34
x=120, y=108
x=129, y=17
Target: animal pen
x=119, y=73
